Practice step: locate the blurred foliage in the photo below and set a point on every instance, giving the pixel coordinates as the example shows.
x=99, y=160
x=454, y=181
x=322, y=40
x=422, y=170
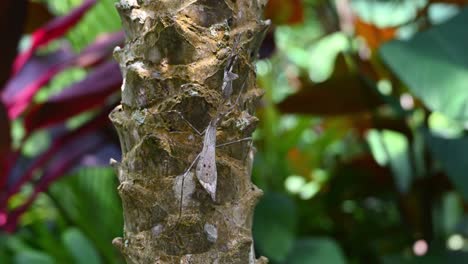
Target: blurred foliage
x=74, y=222
x=103, y=18
x=368, y=100
x=69, y=222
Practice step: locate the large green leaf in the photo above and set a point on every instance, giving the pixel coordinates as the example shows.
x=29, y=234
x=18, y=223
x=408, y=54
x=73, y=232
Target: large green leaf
x=36, y=257
x=434, y=65
x=275, y=226
x=80, y=247
x=316, y=250
x=81, y=196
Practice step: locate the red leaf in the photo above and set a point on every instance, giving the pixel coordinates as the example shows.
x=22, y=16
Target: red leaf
x=285, y=12
x=345, y=92
x=36, y=73
x=91, y=92
x=39, y=70
x=69, y=155
x=101, y=49
x=374, y=35
x=52, y=30
x=12, y=19
x=338, y=96
x=62, y=140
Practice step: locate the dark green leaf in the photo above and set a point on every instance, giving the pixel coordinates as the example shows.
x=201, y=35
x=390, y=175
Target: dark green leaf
x=453, y=156
x=274, y=226
x=80, y=247
x=81, y=196
x=316, y=250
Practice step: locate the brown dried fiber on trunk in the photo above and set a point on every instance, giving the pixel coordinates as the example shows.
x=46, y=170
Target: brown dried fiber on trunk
x=173, y=64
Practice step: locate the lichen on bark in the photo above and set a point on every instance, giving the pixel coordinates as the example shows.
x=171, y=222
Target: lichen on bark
x=173, y=65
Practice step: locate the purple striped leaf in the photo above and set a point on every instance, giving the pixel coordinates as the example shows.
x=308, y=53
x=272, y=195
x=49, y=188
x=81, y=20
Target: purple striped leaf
x=52, y=30
x=87, y=94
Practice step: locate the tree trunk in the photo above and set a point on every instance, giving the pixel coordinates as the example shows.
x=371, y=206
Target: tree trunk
x=174, y=65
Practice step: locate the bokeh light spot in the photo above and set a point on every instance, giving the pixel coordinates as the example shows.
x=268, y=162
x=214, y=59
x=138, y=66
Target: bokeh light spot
x=455, y=242
x=420, y=247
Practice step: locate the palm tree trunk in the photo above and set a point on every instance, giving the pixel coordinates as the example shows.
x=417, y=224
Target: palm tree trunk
x=175, y=62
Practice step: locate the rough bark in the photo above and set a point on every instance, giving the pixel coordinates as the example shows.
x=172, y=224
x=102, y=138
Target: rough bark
x=173, y=65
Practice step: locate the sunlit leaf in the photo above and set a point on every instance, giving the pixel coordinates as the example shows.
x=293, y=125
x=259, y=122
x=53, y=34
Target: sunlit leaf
x=443, y=126
x=392, y=148
x=387, y=13
x=434, y=65
x=294, y=183
x=102, y=18
x=36, y=144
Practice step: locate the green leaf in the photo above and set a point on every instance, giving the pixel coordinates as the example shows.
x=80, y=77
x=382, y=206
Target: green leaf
x=452, y=154
x=80, y=196
x=275, y=226
x=14, y=243
x=4, y=256
x=102, y=18
x=434, y=64
x=36, y=143
x=316, y=250
x=80, y=247
x=30, y=256
x=443, y=126
x=46, y=238
x=392, y=148
x=447, y=215
x=389, y=13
